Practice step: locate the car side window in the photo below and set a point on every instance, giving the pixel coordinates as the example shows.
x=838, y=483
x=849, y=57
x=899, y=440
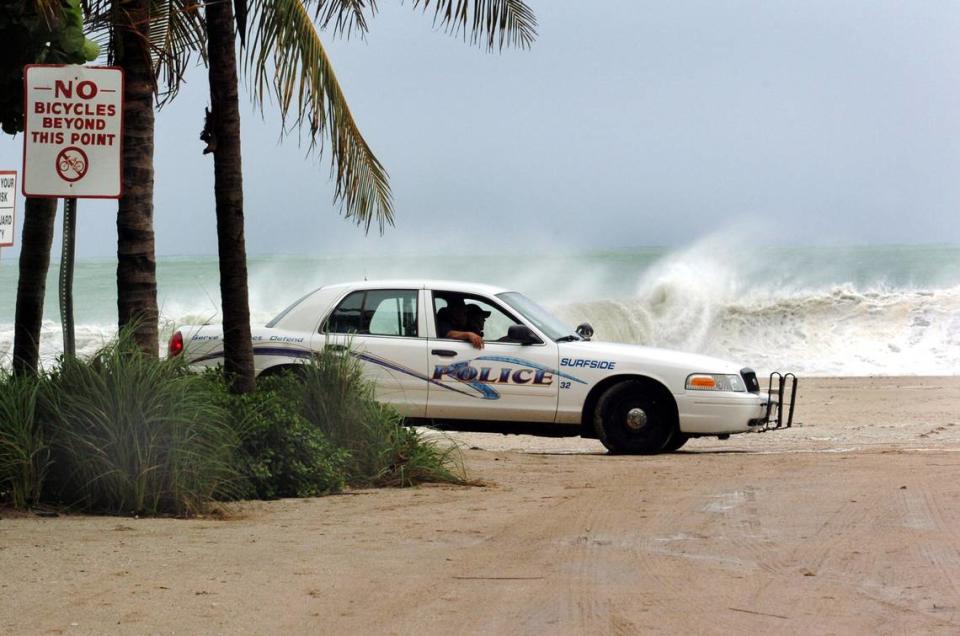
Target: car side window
x=391, y=313
x=346, y=318
x=380, y=312
x=493, y=321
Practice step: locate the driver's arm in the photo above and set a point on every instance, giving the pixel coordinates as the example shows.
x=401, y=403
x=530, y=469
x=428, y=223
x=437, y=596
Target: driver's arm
x=466, y=336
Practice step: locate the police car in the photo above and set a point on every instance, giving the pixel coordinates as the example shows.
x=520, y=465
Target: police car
x=532, y=368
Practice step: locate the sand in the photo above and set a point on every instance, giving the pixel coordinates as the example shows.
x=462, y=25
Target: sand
x=847, y=523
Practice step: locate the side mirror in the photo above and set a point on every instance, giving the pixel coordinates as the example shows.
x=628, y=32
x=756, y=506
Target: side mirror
x=522, y=334
x=585, y=330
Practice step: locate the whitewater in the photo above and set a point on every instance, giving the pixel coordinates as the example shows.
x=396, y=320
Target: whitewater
x=827, y=311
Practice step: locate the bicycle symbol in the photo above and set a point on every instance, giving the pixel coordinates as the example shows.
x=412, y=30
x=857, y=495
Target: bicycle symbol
x=71, y=164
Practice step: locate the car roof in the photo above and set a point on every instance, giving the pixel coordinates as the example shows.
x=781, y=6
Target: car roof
x=440, y=285
x=324, y=296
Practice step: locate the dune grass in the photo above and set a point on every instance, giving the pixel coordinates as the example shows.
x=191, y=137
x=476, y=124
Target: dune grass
x=24, y=452
x=124, y=433
x=133, y=434
x=339, y=401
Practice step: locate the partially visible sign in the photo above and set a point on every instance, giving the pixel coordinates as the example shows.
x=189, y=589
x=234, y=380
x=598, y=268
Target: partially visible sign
x=8, y=207
x=73, y=132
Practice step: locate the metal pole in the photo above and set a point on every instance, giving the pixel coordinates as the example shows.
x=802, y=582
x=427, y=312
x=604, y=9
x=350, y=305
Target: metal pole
x=66, y=276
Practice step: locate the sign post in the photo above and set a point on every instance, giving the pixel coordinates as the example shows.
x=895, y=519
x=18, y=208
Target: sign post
x=72, y=148
x=8, y=207
x=66, y=276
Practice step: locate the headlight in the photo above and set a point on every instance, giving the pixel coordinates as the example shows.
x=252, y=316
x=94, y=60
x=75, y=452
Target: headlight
x=715, y=382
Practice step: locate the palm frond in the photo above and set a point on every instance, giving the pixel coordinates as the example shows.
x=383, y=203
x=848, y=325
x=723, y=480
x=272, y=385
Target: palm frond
x=176, y=34
x=173, y=37
x=286, y=59
x=98, y=24
x=346, y=16
x=490, y=23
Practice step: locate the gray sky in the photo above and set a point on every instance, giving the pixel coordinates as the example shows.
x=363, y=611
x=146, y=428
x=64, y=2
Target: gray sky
x=636, y=124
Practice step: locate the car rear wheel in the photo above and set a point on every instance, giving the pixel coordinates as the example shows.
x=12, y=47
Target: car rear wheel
x=634, y=417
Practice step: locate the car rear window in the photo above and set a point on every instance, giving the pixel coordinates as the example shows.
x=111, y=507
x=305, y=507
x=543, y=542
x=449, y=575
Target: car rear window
x=376, y=312
x=291, y=307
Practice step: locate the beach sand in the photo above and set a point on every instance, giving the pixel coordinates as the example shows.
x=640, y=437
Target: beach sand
x=847, y=523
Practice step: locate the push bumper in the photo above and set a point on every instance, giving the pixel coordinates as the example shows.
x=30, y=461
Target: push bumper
x=779, y=414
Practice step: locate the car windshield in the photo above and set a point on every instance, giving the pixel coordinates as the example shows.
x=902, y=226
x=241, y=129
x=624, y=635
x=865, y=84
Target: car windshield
x=542, y=319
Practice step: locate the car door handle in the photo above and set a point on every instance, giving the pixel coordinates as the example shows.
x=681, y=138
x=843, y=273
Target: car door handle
x=336, y=347
x=446, y=353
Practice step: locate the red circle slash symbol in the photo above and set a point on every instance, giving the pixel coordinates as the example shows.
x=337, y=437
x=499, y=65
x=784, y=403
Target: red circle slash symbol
x=72, y=164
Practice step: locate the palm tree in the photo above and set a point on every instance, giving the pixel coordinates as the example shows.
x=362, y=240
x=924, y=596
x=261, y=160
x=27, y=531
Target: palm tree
x=153, y=41
x=136, y=264
x=222, y=133
x=40, y=217
x=286, y=58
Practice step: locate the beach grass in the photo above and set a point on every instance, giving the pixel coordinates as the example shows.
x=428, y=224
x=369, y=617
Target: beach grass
x=336, y=399
x=24, y=451
x=121, y=432
x=134, y=434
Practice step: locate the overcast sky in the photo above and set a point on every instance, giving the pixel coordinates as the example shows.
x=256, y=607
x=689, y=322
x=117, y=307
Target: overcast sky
x=635, y=123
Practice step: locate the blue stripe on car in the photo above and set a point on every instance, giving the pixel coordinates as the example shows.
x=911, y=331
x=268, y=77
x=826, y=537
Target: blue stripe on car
x=485, y=391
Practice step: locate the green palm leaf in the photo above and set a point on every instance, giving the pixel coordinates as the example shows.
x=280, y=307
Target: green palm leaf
x=286, y=59
x=174, y=36
x=492, y=23
x=345, y=16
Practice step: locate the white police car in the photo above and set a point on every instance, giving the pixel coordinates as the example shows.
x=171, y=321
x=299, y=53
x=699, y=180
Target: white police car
x=532, y=369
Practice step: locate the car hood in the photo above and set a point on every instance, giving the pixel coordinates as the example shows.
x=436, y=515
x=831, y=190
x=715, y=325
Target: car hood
x=645, y=356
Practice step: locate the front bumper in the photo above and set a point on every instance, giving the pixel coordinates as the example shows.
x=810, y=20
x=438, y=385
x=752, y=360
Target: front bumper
x=705, y=413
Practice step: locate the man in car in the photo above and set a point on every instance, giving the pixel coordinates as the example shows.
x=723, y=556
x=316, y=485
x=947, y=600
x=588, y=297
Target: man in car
x=476, y=317
x=452, y=323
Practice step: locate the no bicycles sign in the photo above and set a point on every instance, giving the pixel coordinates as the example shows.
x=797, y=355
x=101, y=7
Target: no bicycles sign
x=73, y=132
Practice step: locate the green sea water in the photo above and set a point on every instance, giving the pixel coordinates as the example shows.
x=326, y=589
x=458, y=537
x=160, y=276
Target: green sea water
x=819, y=310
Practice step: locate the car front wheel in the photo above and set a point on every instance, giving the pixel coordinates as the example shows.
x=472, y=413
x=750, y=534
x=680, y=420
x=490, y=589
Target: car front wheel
x=633, y=417
x=677, y=440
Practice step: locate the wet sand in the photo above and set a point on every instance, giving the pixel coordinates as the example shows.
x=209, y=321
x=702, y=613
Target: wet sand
x=847, y=523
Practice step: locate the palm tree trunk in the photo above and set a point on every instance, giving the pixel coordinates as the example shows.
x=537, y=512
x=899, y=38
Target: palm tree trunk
x=40, y=217
x=228, y=189
x=136, y=263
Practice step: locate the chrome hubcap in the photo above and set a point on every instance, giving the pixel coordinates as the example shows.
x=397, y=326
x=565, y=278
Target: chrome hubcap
x=636, y=419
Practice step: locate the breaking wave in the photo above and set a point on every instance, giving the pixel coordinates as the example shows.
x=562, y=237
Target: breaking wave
x=853, y=311
x=860, y=311
x=837, y=331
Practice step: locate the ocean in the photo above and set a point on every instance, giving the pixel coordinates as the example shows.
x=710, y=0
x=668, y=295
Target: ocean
x=852, y=311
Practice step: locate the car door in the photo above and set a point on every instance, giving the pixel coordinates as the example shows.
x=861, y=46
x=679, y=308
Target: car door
x=382, y=328
x=503, y=381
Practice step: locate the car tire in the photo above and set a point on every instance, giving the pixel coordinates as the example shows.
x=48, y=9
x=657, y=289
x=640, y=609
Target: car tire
x=634, y=418
x=676, y=442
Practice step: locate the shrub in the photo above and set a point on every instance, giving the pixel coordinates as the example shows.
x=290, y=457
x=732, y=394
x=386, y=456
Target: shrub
x=131, y=433
x=126, y=433
x=339, y=401
x=280, y=453
x=24, y=454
